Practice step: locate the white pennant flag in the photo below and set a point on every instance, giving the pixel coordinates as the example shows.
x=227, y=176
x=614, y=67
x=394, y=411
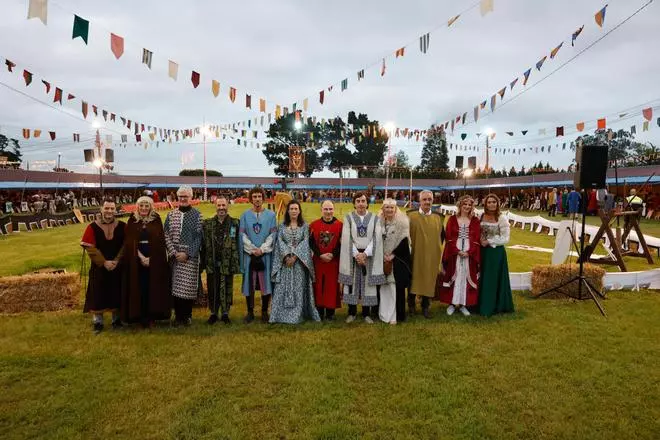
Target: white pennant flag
x=173, y=70
x=146, y=57
x=38, y=9
x=486, y=6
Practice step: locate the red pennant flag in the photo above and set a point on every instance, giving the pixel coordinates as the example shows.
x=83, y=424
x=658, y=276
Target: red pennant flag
x=248, y=101
x=84, y=109
x=138, y=137
x=58, y=95
x=232, y=94
x=70, y=97
x=95, y=109
x=648, y=113
x=195, y=79
x=116, y=45
x=10, y=65
x=321, y=96
x=560, y=131
x=52, y=135
x=47, y=84
x=27, y=76
x=26, y=133
x=112, y=117
x=602, y=124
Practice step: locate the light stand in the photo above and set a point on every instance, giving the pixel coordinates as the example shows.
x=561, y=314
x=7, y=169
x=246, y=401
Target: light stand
x=580, y=278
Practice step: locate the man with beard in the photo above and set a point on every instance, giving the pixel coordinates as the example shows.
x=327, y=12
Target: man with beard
x=325, y=242
x=183, y=239
x=220, y=259
x=103, y=241
x=257, y=236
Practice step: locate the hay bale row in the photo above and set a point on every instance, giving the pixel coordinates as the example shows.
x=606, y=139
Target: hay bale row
x=548, y=276
x=39, y=292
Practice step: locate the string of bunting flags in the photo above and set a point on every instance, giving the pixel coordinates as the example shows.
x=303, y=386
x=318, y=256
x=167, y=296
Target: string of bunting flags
x=39, y=9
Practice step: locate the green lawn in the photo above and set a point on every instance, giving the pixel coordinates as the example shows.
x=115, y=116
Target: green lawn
x=554, y=369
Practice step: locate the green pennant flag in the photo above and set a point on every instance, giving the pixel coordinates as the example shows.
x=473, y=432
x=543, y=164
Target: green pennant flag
x=80, y=28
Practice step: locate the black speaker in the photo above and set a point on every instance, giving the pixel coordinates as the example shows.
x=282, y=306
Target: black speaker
x=590, y=166
x=89, y=155
x=109, y=155
x=472, y=162
x=459, y=162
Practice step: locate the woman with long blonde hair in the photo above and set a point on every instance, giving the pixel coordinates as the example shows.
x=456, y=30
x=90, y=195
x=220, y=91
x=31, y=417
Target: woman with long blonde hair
x=396, y=263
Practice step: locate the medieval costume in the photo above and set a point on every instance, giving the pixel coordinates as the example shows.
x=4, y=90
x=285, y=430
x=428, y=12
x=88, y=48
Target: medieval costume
x=220, y=259
x=592, y=205
x=293, y=291
x=396, y=243
x=325, y=238
x=495, y=287
x=257, y=231
x=183, y=233
x=103, y=242
x=146, y=288
x=574, y=202
x=461, y=273
x=361, y=234
x=426, y=236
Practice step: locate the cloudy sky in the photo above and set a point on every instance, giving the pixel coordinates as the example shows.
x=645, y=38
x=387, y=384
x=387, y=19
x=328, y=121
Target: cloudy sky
x=287, y=50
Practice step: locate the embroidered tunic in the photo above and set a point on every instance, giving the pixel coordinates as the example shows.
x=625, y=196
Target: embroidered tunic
x=325, y=238
x=183, y=233
x=257, y=230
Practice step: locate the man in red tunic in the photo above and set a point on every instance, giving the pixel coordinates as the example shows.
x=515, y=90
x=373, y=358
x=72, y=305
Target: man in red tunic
x=103, y=241
x=325, y=241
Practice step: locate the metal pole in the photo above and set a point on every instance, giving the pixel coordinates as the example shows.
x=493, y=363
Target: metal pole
x=205, y=178
x=387, y=165
x=410, y=199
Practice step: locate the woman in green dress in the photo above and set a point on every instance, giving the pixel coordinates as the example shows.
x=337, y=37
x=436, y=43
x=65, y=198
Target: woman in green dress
x=495, y=287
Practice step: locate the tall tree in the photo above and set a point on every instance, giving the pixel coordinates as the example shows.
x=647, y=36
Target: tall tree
x=337, y=154
x=435, y=156
x=369, y=142
x=620, y=146
x=401, y=159
x=11, y=149
x=283, y=134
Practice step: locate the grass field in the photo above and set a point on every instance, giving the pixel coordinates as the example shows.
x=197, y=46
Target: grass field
x=554, y=369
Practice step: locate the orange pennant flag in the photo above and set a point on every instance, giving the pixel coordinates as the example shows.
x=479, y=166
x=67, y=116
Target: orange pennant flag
x=232, y=94
x=37, y=133
x=579, y=126
x=116, y=45
x=262, y=105
x=26, y=133
x=215, y=88
x=400, y=52
x=602, y=124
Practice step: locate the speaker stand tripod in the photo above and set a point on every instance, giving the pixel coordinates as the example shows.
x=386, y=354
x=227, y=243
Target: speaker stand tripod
x=583, y=282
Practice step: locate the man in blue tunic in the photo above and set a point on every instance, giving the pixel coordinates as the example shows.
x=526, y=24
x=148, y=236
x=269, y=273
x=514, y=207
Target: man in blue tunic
x=257, y=235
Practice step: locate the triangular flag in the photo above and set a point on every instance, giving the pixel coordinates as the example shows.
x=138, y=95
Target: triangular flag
x=194, y=78
x=305, y=104
x=524, y=132
x=645, y=126
x=95, y=109
x=38, y=9
x=424, y=42
x=575, y=35
x=248, y=101
x=80, y=28
x=146, y=57
x=58, y=95
x=278, y=112
x=539, y=64
x=262, y=108
x=37, y=133
x=10, y=65
x=486, y=6
x=453, y=20
x=493, y=101
x=70, y=97
x=501, y=92
x=600, y=16
x=483, y=104
x=526, y=76
x=52, y=135
x=633, y=129
x=26, y=133
x=382, y=68
x=463, y=136
x=513, y=83
x=400, y=52
x=27, y=76
x=344, y=84
x=553, y=52
x=215, y=88
x=510, y=133
x=84, y=109
x=360, y=74
x=321, y=96
x=232, y=94
x=476, y=113
x=560, y=131
x=492, y=135
x=648, y=113
x=173, y=70
x=602, y=124
x=117, y=45
x=579, y=126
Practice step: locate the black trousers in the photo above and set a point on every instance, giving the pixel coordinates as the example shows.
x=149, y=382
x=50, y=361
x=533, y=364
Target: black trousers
x=366, y=310
x=400, y=303
x=265, y=301
x=182, y=308
x=325, y=313
x=553, y=210
x=426, y=301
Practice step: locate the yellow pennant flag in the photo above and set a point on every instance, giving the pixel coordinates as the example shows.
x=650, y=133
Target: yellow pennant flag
x=486, y=6
x=37, y=133
x=38, y=9
x=215, y=88
x=305, y=104
x=262, y=105
x=173, y=70
x=278, y=112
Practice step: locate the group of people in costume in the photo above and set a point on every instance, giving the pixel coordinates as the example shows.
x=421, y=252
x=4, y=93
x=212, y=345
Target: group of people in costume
x=142, y=269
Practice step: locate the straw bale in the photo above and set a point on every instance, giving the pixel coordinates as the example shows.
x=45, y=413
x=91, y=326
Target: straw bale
x=547, y=276
x=39, y=292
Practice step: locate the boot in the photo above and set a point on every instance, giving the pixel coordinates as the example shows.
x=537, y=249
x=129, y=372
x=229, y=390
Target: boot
x=265, y=301
x=411, y=305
